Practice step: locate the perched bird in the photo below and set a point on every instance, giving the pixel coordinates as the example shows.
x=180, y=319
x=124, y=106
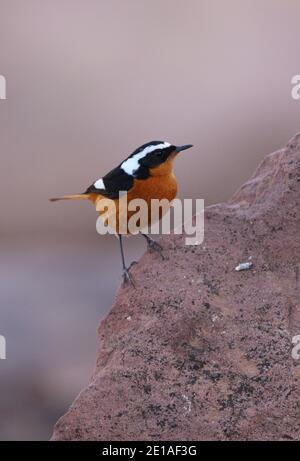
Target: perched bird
x=146, y=174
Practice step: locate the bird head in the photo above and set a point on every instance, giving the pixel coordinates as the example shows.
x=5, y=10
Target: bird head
x=152, y=157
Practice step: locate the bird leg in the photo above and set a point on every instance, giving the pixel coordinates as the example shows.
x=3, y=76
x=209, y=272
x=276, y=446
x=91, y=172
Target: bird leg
x=127, y=277
x=153, y=245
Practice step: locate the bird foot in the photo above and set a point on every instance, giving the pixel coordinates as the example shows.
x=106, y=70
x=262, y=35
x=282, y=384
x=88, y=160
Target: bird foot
x=127, y=277
x=155, y=246
x=132, y=264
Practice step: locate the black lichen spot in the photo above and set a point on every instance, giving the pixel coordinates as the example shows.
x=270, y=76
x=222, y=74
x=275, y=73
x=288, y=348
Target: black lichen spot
x=147, y=388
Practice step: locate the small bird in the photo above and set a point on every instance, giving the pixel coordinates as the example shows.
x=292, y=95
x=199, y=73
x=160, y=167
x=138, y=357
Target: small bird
x=146, y=174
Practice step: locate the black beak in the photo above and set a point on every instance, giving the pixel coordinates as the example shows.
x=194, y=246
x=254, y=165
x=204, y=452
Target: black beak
x=180, y=148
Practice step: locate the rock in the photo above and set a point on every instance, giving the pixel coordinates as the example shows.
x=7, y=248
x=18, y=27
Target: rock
x=200, y=351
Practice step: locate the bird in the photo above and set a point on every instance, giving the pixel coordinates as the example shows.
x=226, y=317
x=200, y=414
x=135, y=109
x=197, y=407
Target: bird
x=147, y=173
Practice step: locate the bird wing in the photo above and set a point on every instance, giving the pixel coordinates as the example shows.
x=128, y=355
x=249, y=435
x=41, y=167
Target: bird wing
x=116, y=181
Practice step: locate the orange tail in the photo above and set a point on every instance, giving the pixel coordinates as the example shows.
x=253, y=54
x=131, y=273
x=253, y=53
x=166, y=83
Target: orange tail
x=71, y=197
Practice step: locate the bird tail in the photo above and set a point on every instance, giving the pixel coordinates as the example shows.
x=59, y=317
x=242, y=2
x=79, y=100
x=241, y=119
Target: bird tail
x=71, y=197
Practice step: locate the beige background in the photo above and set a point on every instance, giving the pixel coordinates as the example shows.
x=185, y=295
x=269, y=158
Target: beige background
x=87, y=82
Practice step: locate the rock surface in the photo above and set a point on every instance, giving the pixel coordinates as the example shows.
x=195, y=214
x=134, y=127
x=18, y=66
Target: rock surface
x=200, y=351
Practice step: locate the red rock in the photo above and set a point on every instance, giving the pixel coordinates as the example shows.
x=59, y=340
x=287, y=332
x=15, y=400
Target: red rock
x=199, y=351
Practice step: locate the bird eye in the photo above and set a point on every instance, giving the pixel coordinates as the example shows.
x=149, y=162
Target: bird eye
x=159, y=152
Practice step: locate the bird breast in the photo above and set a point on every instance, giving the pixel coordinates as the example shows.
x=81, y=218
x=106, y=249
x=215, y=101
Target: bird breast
x=154, y=187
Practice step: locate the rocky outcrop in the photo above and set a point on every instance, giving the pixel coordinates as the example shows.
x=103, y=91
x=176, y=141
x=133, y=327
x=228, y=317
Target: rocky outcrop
x=199, y=350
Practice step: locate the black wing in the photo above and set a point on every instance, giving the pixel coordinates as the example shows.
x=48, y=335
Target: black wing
x=115, y=181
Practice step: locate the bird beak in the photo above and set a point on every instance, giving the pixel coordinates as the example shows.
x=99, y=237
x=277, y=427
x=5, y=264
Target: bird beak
x=180, y=148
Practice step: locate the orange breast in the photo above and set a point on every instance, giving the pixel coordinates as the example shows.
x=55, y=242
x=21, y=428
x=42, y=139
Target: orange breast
x=161, y=184
x=154, y=187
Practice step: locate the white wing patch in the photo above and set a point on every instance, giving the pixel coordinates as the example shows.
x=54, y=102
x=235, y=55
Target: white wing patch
x=99, y=184
x=132, y=164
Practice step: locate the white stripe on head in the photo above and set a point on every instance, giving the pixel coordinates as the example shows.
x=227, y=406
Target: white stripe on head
x=99, y=184
x=132, y=164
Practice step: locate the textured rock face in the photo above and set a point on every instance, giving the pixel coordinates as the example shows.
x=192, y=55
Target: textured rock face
x=199, y=351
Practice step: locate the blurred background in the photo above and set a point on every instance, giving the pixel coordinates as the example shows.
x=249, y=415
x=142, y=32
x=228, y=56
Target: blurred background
x=88, y=81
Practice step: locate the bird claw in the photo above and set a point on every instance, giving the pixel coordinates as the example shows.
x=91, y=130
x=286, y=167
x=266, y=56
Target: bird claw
x=127, y=277
x=132, y=264
x=155, y=246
